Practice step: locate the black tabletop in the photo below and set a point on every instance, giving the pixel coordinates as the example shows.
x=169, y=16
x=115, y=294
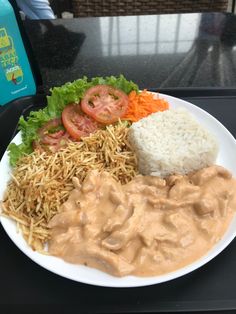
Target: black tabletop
x=212, y=287
x=156, y=51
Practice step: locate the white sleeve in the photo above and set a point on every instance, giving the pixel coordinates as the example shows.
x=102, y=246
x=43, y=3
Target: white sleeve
x=36, y=9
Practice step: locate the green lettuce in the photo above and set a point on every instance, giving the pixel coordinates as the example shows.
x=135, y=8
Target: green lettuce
x=56, y=102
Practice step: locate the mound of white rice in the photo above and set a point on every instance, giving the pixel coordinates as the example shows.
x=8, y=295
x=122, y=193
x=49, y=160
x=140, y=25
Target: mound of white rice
x=172, y=142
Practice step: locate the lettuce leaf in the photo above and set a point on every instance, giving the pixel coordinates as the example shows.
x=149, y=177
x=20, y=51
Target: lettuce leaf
x=56, y=102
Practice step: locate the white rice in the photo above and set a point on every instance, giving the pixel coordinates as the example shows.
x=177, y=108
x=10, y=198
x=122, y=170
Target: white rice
x=172, y=142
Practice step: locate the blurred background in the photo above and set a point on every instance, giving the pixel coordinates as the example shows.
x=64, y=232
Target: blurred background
x=78, y=8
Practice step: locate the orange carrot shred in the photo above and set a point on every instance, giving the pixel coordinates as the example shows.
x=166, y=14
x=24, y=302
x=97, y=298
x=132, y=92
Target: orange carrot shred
x=143, y=104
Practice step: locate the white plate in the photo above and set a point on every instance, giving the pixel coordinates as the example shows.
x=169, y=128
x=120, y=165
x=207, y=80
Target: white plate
x=88, y=275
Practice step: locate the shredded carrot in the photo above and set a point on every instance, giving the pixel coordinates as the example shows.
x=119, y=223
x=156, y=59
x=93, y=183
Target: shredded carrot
x=143, y=104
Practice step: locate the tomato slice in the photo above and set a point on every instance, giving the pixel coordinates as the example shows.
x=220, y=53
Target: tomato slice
x=52, y=136
x=37, y=145
x=104, y=103
x=77, y=123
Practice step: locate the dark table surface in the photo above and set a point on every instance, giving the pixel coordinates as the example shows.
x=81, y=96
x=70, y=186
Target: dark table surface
x=158, y=52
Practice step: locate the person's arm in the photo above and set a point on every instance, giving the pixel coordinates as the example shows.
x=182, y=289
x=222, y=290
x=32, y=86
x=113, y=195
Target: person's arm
x=36, y=9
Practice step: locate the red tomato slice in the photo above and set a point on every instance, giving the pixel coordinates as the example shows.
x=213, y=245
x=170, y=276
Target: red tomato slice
x=104, y=103
x=52, y=136
x=77, y=123
x=51, y=132
x=37, y=145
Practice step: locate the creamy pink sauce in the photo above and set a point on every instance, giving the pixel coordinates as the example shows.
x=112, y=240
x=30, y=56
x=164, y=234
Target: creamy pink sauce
x=147, y=227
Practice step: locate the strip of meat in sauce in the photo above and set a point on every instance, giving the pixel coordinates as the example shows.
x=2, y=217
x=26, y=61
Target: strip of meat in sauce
x=147, y=227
